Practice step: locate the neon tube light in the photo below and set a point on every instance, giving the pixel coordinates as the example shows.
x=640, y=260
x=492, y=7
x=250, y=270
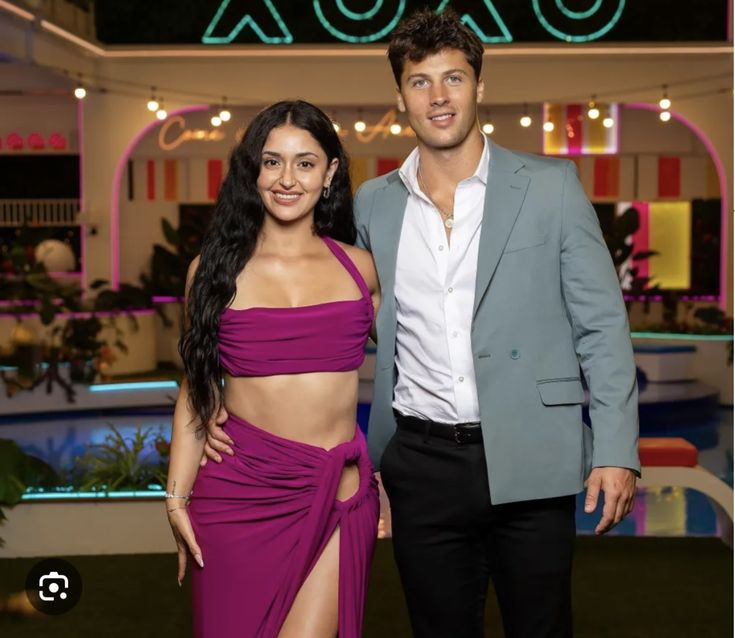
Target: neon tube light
x=723, y=188
x=134, y=385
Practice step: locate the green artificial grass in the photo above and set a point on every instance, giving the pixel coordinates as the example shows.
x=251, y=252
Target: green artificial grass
x=623, y=588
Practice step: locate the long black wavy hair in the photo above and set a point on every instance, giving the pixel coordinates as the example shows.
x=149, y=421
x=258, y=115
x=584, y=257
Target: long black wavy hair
x=232, y=236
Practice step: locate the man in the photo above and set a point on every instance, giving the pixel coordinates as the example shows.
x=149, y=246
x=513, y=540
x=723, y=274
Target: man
x=496, y=287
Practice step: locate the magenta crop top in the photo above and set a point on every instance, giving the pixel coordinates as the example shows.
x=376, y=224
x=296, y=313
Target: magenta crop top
x=326, y=337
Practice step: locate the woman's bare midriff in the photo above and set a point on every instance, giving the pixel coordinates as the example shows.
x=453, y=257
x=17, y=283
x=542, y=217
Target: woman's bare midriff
x=318, y=408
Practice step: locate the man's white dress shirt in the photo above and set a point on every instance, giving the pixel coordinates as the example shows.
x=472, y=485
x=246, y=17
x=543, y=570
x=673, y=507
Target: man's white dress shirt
x=435, y=292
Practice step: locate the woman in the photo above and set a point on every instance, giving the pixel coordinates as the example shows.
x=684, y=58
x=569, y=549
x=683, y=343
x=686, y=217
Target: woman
x=278, y=310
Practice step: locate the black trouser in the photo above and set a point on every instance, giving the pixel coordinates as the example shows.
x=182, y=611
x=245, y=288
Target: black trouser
x=449, y=539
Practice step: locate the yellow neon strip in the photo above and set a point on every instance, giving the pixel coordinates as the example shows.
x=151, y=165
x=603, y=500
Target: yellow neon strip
x=669, y=233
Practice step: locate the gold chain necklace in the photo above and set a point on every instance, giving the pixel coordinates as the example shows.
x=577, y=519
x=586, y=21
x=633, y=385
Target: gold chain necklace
x=447, y=217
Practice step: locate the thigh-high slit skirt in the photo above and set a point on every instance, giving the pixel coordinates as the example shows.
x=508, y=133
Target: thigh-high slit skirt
x=262, y=519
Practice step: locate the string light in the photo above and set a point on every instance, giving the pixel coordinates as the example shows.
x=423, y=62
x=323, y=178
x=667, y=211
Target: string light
x=665, y=102
x=224, y=114
x=593, y=112
x=548, y=126
x=664, y=116
x=395, y=129
x=80, y=92
x=487, y=127
x=360, y=125
x=153, y=102
x=216, y=120
x=608, y=121
x=161, y=112
x=526, y=120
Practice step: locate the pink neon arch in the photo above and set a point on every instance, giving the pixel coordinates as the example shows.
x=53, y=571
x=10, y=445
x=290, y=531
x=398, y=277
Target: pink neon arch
x=116, y=181
x=645, y=106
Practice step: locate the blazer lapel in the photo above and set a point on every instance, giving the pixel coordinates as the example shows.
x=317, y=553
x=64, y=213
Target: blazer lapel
x=504, y=196
x=385, y=231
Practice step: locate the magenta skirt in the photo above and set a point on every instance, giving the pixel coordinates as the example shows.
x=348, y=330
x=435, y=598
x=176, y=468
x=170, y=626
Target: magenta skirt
x=262, y=519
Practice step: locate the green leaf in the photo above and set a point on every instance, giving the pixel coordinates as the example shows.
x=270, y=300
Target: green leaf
x=169, y=232
x=645, y=254
x=628, y=223
x=98, y=283
x=19, y=470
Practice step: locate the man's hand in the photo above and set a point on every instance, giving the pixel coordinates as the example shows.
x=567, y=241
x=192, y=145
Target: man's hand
x=217, y=441
x=618, y=484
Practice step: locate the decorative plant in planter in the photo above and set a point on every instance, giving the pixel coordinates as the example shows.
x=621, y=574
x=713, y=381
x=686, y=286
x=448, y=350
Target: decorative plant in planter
x=77, y=340
x=19, y=471
x=25, y=281
x=82, y=349
x=170, y=263
x=618, y=239
x=123, y=463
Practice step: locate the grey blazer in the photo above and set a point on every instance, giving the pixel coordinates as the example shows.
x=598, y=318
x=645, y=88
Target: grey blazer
x=547, y=301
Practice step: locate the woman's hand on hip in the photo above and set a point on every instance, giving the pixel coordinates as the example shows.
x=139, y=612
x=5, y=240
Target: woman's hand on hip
x=217, y=442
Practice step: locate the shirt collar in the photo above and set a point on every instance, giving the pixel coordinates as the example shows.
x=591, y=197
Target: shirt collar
x=408, y=175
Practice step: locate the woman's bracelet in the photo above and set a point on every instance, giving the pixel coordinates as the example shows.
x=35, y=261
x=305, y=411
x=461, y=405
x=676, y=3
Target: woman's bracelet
x=172, y=494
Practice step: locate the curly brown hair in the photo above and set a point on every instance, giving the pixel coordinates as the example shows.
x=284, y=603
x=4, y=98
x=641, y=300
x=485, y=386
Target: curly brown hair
x=425, y=33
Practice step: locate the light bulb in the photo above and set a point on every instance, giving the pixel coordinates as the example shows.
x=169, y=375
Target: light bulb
x=526, y=121
x=665, y=116
x=225, y=115
x=80, y=92
x=488, y=128
x=395, y=129
x=548, y=126
x=153, y=105
x=161, y=114
x=593, y=113
x=665, y=102
x=608, y=122
x=360, y=126
x=216, y=120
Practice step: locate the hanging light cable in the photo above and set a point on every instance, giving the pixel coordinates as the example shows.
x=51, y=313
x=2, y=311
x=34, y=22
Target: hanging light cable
x=224, y=114
x=526, y=120
x=608, y=121
x=360, y=125
x=592, y=111
x=488, y=126
x=80, y=92
x=153, y=102
x=665, y=102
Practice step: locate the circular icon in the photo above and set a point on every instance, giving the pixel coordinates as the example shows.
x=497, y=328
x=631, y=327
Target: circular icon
x=53, y=586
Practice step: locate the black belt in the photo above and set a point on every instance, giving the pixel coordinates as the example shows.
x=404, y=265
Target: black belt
x=457, y=432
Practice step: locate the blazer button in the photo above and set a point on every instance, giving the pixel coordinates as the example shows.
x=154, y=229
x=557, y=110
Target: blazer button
x=515, y=354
